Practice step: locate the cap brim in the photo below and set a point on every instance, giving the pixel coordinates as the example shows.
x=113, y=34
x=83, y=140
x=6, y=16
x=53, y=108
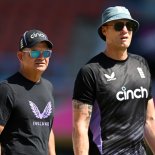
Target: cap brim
x=49, y=44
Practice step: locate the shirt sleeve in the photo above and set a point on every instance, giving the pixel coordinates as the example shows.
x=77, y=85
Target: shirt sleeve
x=149, y=74
x=84, y=87
x=5, y=103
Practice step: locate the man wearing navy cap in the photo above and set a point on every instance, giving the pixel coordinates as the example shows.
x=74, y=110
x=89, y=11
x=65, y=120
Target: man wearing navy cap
x=26, y=101
x=113, y=109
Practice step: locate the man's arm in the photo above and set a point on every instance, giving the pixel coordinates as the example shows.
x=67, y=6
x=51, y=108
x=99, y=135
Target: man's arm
x=81, y=118
x=51, y=144
x=1, y=129
x=149, y=132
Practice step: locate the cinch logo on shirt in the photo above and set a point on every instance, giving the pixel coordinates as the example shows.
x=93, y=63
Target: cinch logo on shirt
x=131, y=94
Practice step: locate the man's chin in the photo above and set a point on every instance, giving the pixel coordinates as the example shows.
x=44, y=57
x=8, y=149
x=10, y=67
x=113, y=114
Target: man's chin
x=40, y=69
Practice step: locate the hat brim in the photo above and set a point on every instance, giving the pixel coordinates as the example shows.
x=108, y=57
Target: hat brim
x=49, y=44
x=103, y=36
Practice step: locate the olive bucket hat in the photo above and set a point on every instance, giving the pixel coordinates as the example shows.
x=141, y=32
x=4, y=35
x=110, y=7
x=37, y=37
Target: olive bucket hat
x=116, y=13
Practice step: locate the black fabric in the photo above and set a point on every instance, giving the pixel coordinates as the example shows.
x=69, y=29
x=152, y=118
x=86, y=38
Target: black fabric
x=121, y=90
x=93, y=149
x=26, y=111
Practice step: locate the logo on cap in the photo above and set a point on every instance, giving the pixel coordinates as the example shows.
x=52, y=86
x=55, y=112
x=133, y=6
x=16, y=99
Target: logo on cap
x=21, y=43
x=35, y=35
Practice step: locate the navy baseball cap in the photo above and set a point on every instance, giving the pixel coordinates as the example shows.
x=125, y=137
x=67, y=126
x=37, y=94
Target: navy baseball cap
x=32, y=37
x=116, y=13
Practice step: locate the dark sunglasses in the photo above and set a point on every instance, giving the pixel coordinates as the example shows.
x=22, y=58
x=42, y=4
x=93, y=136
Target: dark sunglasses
x=120, y=25
x=37, y=54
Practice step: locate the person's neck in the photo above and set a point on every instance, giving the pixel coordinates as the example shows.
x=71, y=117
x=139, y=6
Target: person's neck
x=34, y=77
x=116, y=54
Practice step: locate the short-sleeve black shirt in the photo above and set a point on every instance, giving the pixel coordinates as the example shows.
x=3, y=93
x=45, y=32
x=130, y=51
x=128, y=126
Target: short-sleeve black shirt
x=26, y=111
x=119, y=92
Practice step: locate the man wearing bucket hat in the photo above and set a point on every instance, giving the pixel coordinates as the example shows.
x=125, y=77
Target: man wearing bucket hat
x=113, y=108
x=26, y=101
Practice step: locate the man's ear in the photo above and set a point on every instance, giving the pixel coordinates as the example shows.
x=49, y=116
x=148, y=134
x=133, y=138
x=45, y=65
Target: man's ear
x=20, y=56
x=104, y=30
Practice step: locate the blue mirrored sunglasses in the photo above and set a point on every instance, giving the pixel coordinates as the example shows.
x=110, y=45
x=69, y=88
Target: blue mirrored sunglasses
x=37, y=53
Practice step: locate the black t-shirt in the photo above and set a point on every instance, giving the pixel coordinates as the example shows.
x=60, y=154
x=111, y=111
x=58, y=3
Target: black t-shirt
x=26, y=111
x=119, y=92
